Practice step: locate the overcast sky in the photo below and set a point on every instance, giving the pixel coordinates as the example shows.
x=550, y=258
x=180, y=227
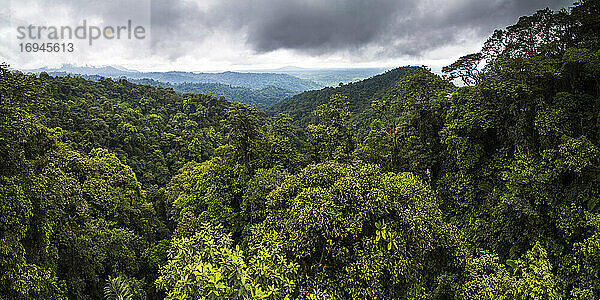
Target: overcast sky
x=218, y=35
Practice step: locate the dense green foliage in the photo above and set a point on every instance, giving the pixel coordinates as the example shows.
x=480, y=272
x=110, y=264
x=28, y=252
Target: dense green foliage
x=263, y=98
x=155, y=131
x=359, y=95
x=410, y=189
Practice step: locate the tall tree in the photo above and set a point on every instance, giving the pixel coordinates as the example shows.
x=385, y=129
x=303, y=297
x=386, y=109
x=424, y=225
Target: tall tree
x=331, y=138
x=243, y=123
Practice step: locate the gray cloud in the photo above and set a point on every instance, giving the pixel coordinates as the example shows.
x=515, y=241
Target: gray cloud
x=401, y=27
x=198, y=33
x=176, y=22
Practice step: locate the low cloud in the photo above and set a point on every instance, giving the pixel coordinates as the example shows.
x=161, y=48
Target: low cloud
x=407, y=27
x=224, y=33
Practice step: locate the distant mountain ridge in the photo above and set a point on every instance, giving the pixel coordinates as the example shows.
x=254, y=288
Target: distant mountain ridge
x=249, y=80
x=262, y=88
x=328, y=76
x=262, y=98
x=359, y=95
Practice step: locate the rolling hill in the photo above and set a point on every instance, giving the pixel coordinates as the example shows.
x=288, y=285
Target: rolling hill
x=262, y=98
x=359, y=95
x=249, y=80
x=328, y=77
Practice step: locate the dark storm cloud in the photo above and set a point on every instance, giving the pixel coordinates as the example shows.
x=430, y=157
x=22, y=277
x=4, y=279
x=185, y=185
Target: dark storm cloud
x=322, y=25
x=397, y=27
x=177, y=26
x=415, y=26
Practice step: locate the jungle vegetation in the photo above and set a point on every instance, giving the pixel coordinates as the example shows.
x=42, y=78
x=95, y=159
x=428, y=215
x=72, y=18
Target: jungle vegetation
x=416, y=190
